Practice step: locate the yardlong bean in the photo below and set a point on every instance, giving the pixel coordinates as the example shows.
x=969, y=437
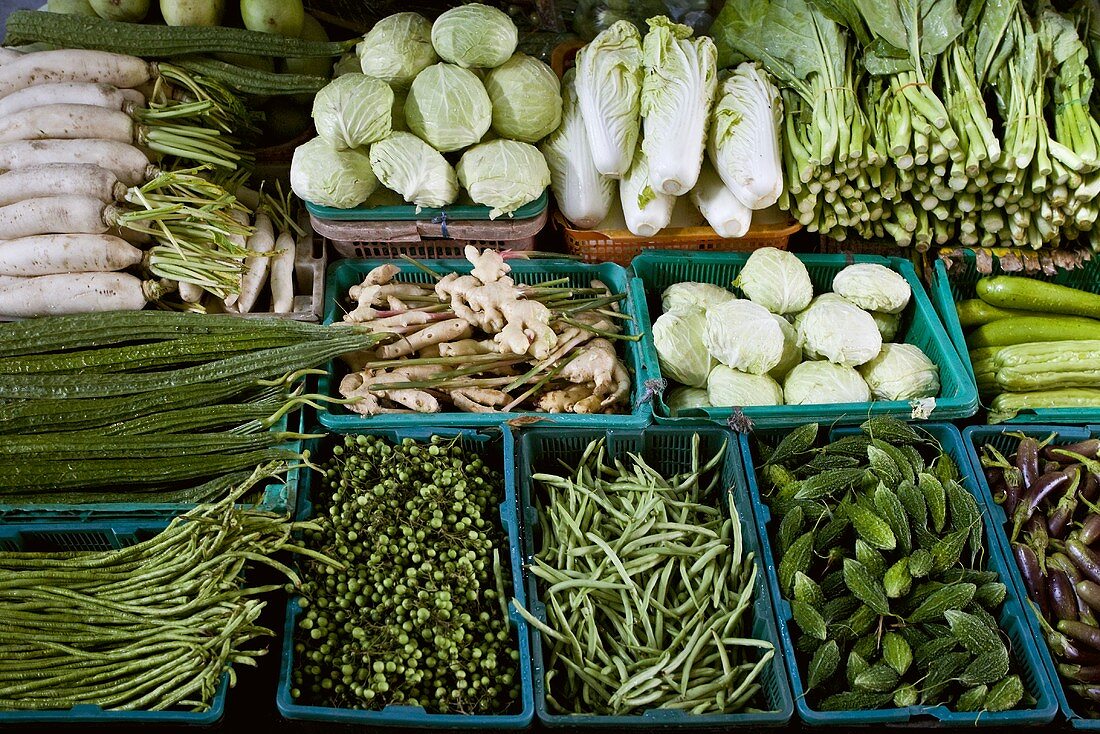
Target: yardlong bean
x=150, y=626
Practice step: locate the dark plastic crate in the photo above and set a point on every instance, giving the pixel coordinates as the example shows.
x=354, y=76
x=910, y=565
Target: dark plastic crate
x=958, y=396
x=416, y=716
x=959, y=284
x=667, y=450
x=975, y=437
x=343, y=274
x=1012, y=620
x=85, y=537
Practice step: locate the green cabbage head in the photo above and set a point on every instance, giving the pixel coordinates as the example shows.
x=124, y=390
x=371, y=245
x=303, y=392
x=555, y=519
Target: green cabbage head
x=777, y=280
x=742, y=335
x=475, y=35
x=729, y=387
x=448, y=108
x=837, y=330
x=824, y=382
x=688, y=295
x=873, y=287
x=353, y=110
x=503, y=175
x=678, y=337
x=397, y=48
x=414, y=169
x=686, y=398
x=902, y=372
x=526, y=98
x=330, y=177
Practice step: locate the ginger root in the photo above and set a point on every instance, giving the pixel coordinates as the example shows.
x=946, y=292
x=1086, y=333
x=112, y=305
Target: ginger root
x=465, y=348
x=478, y=399
x=527, y=330
x=443, y=331
x=358, y=385
x=489, y=265
x=573, y=399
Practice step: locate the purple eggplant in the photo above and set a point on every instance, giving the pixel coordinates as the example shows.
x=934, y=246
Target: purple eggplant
x=1050, y=467
x=1085, y=559
x=1027, y=460
x=1089, y=592
x=1033, y=577
x=1090, y=529
x=1065, y=564
x=1083, y=633
x=1063, y=598
x=1090, y=693
x=1089, y=448
x=1059, y=517
x=1077, y=654
x=1040, y=490
x=1090, y=488
x=1083, y=673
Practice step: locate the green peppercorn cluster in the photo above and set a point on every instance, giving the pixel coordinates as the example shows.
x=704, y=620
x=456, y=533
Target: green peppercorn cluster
x=418, y=617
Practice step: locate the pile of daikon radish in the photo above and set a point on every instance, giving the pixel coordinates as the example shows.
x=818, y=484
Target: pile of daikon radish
x=100, y=176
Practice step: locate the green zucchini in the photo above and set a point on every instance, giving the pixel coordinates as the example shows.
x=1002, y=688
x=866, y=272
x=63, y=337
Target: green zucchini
x=1009, y=291
x=1028, y=329
x=74, y=31
x=975, y=312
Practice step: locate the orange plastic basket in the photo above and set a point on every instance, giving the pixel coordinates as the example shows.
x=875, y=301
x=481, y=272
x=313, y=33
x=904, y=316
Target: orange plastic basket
x=620, y=246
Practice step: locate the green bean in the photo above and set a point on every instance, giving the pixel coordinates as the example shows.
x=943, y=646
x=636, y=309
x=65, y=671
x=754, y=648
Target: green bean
x=646, y=588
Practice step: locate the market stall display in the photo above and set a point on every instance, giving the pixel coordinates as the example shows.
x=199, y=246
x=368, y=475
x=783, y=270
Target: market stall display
x=638, y=485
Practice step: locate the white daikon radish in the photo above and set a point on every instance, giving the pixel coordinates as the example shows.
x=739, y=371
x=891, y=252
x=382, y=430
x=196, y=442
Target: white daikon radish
x=60, y=179
x=128, y=163
x=89, y=93
x=71, y=293
x=74, y=65
x=282, y=274
x=53, y=254
x=57, y=215
x=261, y=242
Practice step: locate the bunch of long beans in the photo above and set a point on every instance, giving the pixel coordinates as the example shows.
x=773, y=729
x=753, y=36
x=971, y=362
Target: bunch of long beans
x=650, y=591
x=151, y=626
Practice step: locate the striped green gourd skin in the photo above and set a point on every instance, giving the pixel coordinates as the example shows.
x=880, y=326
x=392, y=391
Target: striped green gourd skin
x=896, y=571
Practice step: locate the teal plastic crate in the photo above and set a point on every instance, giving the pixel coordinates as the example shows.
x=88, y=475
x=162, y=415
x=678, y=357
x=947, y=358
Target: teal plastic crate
x=960, y=284
x=975, y=437
x=345, y=273
x=1029, y=664
x=277, y=496
x=409, y=212
x=496, y=442
x=87, y=537
x=668, y=450
x=958, y=396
